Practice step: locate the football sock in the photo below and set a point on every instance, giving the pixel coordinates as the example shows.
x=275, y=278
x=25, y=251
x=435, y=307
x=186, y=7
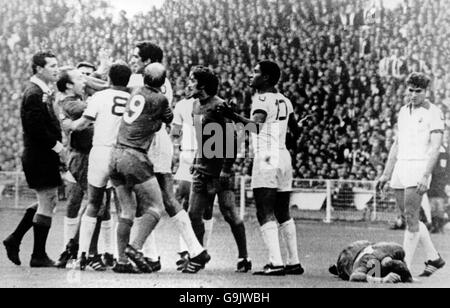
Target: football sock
x=93, y=248
x=425, y=239
x=70, y=229
x=240, y=238
x=144, y=227
x=410, y=245
x=106, y=237
x=288, y=233
x=151, y=248
x=209, y=224
x=184, y=226
x=183, y=245
x=41, y=228
x=271, y=240
x=87, y=229
x=123, y=238
x=25, y=224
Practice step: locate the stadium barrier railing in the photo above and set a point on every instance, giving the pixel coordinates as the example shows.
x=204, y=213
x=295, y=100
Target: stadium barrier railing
x=312, y=199
x=332, y=200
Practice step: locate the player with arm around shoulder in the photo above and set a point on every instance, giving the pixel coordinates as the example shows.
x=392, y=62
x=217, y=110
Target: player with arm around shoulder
x=272, y=114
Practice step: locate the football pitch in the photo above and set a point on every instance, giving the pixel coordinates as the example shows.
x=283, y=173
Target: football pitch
x=319, y=245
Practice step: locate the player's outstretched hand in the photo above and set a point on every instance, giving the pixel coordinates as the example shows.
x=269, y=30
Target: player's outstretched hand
x=392, y=278
x=225, y=109
x=381, y=183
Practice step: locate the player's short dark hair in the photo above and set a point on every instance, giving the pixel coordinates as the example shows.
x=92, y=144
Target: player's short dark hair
x=86, y=64
x=418, y=80
x=120, y=75
x=399, y=268
x=40, y=60
x=272, y=70
x=150, y=51
x=64, y=79
x=206, y=78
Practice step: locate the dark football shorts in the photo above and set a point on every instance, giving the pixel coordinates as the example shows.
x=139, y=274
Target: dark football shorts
x=437, y=188
x=211, y=185
x=130, y=167
x=78, y=166
x=41, y=169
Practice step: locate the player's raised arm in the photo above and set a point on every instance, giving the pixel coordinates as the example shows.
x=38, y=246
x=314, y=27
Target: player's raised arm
x=96, y=84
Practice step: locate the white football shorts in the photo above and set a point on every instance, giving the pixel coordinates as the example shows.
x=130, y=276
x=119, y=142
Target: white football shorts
x=161, y=152
x=98, y=171
x=184, y=170
x=273, y=170
x=408, y=173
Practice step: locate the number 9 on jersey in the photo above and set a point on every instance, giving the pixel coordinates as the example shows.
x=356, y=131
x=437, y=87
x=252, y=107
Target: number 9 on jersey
x=134, y=109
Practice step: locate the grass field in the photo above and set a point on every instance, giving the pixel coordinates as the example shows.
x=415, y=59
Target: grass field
x=319, y=245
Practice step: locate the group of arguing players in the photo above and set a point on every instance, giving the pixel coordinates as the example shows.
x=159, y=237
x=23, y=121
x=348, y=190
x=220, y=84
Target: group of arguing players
x=121, y=136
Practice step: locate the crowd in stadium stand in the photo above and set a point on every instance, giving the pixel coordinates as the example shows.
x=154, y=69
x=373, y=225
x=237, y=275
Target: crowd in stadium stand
x=342, y=65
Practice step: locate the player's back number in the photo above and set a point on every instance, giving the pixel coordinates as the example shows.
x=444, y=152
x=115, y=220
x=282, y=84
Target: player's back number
x=282, y=110
x=119, y=106
x=135, y=109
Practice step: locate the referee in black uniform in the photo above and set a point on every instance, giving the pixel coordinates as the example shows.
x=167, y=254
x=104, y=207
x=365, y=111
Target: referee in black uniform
x=42, y=146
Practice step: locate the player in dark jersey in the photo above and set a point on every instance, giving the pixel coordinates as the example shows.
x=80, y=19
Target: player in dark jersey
x=72, y=87
x=437, y=194
x=213, y=164
x=363, y=261
x=132, y=171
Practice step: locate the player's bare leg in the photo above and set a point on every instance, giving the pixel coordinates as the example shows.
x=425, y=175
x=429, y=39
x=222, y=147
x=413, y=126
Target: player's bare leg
x=265, y=199
x=128, y=208
x=182, y=195
x=179, y=216
x=150, y=205
x=417, y=231
x=12, y=242
x=288, y=232
x=200, y=199
x=227, y=204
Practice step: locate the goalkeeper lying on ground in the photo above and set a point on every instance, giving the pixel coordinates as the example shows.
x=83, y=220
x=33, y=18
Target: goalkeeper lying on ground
x=376, y=263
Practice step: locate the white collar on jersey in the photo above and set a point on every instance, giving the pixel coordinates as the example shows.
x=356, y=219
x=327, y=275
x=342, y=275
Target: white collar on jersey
x=41, y=84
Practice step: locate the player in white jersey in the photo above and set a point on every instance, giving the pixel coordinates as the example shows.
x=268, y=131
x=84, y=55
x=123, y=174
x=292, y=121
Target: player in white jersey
x=272, y=114
x=160, y=154
x=105, y=109
x=412, y=159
